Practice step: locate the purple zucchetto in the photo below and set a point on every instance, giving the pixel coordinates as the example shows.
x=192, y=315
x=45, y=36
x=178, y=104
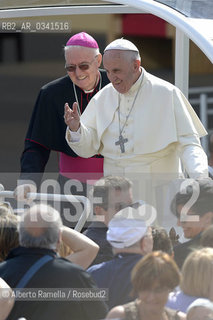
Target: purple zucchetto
x=82, y=39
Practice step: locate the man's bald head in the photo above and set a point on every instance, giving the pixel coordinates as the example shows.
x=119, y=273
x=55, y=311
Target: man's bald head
x=40, y=227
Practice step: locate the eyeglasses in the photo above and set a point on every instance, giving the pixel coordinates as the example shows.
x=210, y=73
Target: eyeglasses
x=82, y=66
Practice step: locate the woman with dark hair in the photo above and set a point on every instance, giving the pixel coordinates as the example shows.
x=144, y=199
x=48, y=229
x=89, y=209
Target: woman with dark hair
x=153, y=277
x=162, y=241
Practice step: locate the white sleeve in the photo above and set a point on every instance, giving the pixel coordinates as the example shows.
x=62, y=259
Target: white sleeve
x=193, y=157
x=83, y=142
x=73, y=136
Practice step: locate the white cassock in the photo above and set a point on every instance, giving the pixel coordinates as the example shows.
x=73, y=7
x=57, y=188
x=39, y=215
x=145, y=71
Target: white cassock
x=162, y=129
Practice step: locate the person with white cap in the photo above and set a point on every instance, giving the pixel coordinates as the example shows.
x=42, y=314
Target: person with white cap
x=130, y=238
x=141, y=124
x=47, y=128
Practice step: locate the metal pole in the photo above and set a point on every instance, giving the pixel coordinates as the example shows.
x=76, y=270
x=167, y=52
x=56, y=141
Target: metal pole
x=182, y=62
x=57, y=197
x=204, y=119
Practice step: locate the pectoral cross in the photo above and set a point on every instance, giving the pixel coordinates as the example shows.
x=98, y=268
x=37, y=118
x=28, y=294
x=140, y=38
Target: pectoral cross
x=121, y=142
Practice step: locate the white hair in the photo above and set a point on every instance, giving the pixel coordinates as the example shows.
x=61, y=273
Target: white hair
x=42, y=217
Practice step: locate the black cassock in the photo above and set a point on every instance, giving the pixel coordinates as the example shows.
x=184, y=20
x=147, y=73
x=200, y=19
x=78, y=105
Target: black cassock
x=47, y=128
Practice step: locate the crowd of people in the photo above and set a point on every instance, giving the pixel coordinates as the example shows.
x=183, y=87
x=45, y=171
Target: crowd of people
x=133, y=264
x=130, y=140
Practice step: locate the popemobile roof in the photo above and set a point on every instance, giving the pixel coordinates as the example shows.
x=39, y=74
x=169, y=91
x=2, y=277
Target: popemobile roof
x=193, y=17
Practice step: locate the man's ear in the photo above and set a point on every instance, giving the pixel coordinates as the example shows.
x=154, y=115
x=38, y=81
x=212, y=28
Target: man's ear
x=99, y=211
x=137, y=64
x=60, y=236
x=208, y=218
x=101, y=214
x=99, y=58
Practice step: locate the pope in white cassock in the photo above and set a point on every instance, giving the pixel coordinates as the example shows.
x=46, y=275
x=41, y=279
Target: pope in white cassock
x=143, y=126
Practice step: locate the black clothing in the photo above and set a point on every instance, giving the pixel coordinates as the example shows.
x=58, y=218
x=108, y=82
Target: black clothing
x=97, y=231
x=116, y=276
x=182, y=250
x=58, y=273
x=47, y=128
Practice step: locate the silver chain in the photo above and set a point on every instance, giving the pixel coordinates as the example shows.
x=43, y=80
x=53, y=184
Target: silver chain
x=76, y=97
x=127, y=117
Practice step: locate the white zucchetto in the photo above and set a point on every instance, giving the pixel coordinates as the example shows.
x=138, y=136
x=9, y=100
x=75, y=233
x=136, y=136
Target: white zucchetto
x=127, y=227
x=121, y=44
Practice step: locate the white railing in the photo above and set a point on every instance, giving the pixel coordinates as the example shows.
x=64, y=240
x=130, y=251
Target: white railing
x=203, y=97
x=56, y=197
